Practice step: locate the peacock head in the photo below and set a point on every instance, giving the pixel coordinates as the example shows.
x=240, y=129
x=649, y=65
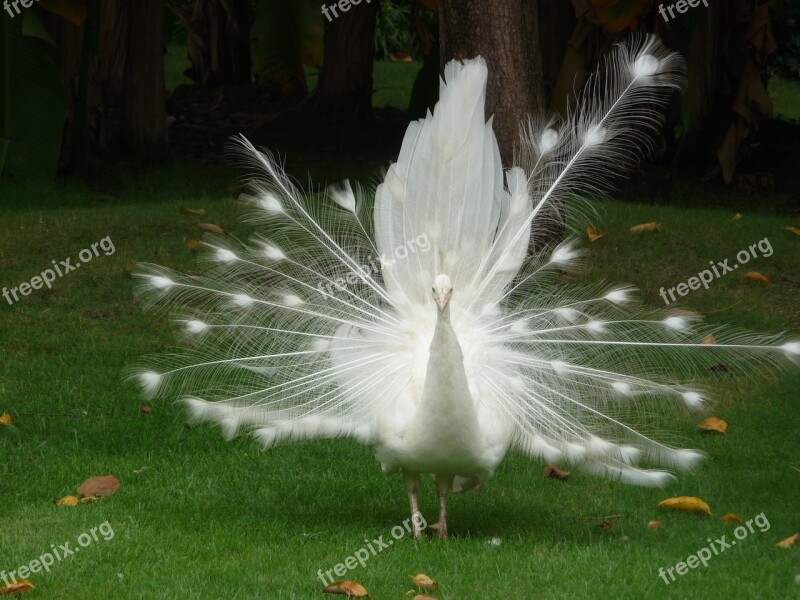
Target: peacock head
x=442, y=291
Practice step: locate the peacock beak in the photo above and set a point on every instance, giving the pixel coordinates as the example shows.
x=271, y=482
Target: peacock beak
x=442, y=299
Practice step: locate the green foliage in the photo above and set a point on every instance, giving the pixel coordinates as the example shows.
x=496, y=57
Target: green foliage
x=286, y=36
x=33, y=110
x=394, y=32
x=786, y=63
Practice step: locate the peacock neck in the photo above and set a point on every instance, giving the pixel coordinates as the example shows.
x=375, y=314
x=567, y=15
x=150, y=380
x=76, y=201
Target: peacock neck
x=447, y=406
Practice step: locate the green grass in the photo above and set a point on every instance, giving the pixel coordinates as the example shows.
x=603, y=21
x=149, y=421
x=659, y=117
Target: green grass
x=210, y=519
x=175, y=63
x=786, y=97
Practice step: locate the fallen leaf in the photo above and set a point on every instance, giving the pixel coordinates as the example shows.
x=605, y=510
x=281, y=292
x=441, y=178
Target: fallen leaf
x=789, y=542
x=654, y=525
x=89, y=499
x=794, y=230
x=424, y=582
x=211, y=228
x=731, y=518
x=687, y=503
x=20, y=585
x=349, y=588
x=594, y=235
x=713, y=424
x=646, y=228
x=5, y=419
x=756, y=276
x=737, y=217
x=421, y=597
x=605, y=525
x=145, y=408
x=99, y=486
x=192, y=244
x=400, y=57
x=192, y=211
x=67, y=501
x=710, y=340
x=556, y=473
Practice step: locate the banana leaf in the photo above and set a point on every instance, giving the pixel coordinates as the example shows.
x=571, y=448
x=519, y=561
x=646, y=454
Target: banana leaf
x=286, y=36
x=33, y=109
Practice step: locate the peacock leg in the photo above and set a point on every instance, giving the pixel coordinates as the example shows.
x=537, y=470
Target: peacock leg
x=444, y=484
x=411, y=480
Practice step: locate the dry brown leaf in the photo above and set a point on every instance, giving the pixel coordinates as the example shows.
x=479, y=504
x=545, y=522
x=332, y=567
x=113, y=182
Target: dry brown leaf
x=400, y=57
x=794, y=230
x=424, y=582
x=5, y=419
x=89, y=499
x=737, y=217
x=646, y=228
x=616, y=17
x=687, y=503
x=192, y=244
x=654, y=525
x=102, y=486
x=421, y=597
x=67, y=501
x=710, y=340
x=756, y=276
x=211, y=228
x=605, y=525
x=713, y=424
x=731, y=518
x=348, y=588
x=193, y=211
x=789, y=542
x=19, y=586
x=556, y=473
x=594, y=235
x=145, y=408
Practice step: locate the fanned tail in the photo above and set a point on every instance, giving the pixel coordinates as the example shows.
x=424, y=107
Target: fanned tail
x=279, y=342
x=578, y=370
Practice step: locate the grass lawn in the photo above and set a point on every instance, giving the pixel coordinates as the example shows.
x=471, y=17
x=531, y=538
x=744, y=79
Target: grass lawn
x=209, y=519
x=198, y=517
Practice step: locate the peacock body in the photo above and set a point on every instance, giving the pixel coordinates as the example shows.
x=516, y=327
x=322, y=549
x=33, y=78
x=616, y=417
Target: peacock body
x=460, y=346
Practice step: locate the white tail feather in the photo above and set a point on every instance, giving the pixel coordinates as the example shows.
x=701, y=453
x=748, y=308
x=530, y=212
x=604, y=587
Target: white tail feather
x=324, y=330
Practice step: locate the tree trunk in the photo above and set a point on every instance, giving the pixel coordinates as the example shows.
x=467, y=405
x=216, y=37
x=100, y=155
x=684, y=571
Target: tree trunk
x=218, y=40
x=113, y=70
x=344, y=89
x=506, y=34
x=145, y=106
